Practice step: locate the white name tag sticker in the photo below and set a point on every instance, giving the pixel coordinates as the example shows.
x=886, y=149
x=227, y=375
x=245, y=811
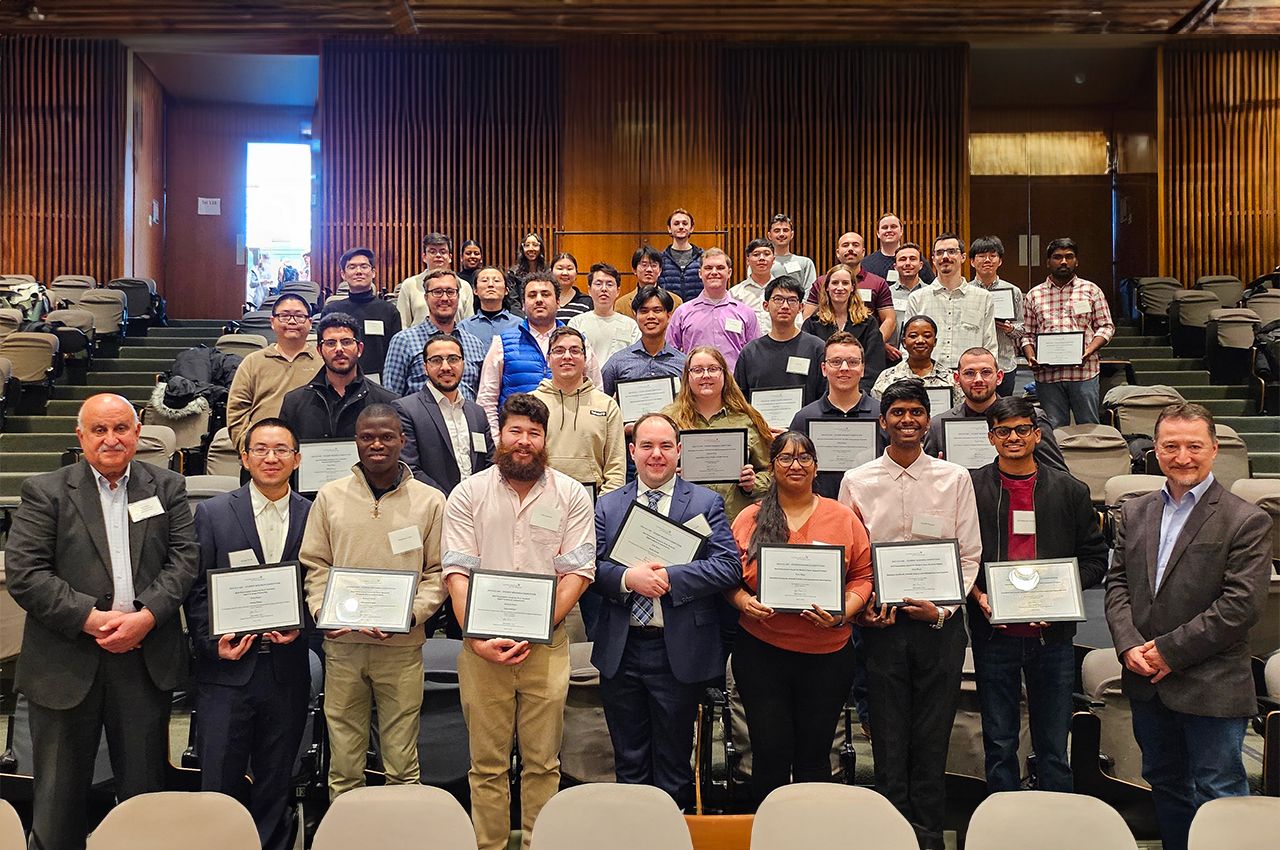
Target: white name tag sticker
x=373, y=327
x=242, y=558
x=699, y=524
x=793, y=266
x=798, y=365
x=147, y=508
x=404, y=539
x=1080, y=308
x=477, y=442
x=923, y=525
x=373, y=376
x=733, y=326
x=1024, y=522
x=546, y=516
x=865, y=295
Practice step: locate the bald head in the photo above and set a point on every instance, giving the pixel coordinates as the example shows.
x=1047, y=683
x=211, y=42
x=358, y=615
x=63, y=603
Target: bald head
x=108, y=430
x=95, y=405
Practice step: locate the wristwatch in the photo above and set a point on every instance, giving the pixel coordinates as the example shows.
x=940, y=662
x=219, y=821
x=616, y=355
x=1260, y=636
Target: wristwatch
x=942, y=618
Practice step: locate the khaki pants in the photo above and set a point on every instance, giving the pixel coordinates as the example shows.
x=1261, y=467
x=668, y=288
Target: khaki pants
x=356, y=675
x=525, y=701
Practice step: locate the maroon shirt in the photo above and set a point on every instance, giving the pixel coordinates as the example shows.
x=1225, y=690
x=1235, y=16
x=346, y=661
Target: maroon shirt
x=1021, y=547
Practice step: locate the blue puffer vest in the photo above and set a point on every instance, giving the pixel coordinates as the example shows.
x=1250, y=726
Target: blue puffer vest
x=523, y=364
x=686, y=283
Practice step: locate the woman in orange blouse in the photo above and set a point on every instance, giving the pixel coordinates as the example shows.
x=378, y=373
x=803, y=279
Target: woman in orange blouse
x=794, y=671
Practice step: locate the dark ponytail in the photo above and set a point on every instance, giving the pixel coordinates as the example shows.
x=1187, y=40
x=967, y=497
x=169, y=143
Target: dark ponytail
x=771, y=522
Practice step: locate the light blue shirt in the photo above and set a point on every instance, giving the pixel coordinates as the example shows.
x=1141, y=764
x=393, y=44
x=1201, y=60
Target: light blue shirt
x=1173, y=518
x=485, y=328
x=115, y=516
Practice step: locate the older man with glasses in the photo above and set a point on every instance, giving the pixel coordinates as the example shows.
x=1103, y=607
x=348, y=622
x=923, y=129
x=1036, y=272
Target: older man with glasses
x=403, y=372
x=266, y=376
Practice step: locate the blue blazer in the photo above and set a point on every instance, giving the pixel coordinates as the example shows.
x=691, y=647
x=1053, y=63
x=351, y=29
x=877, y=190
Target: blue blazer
x=224, y=524
x=689, y=612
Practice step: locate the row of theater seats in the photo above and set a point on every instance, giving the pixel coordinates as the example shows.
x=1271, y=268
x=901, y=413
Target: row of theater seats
x=638, y=817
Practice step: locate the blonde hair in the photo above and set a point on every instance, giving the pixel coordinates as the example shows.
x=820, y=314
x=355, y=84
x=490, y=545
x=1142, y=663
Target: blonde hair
x=858, y=311
x=685, y=412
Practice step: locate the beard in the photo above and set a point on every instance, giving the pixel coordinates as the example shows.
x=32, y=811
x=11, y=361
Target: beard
x=514, y=470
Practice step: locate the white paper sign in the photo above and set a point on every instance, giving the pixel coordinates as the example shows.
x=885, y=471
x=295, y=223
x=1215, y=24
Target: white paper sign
x=477, y=443
x=923, y=525
x=1024, y=522
x=404, y=539
x=373, y=327
x=798, y=365
x=733, y=326
x=545, y=516
x=149, y=507
x=242, y=558
x=208, y=206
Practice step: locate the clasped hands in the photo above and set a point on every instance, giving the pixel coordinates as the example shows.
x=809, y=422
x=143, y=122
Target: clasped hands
x=230, y=649
x=1147, y=661
x=119, y=631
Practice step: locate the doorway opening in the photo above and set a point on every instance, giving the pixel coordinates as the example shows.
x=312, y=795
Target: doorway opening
x=277, y=217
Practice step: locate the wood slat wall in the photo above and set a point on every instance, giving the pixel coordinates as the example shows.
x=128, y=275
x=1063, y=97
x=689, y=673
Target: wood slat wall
x=1220, y=159
x=62, y=158
x=611, y=136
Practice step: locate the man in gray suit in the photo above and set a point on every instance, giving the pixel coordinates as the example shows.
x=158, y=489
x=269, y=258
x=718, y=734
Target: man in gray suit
x=101, y=555
x=1189, y=577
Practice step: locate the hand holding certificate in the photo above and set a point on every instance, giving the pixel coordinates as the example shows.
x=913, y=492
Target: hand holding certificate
x=1046, y=591
x=515, y=606
x=255, y=600
x=917, y=569
x=324, y=461
x=1003, y=301
x=647, y=537
x=796, y=577
x=713, y=455
x=376, y=600
x=965, y=442
x=1060, y=349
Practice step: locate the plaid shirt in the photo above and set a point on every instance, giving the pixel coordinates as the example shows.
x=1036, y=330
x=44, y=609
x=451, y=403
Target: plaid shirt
x=966, y=318
x=403, y=372
x=1049, y=308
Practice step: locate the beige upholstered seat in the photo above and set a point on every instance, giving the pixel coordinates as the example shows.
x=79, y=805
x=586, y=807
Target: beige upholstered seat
x=1266, y=305
x=108, y=309
x=223, y=458
x=621, y=817
x=1094, y=454
x=1049, y=820
x=156, y=445
x=1228, y=288
x=10, y=321
x=242, y=344
x=1236, y=823
x=1232, y=463
x=203, y=487
x=395, y=816
x=1135, y=408
x=11, y=837
x=1265, y=493
x=824, y=814
x=1100, y=674
x=192, y=820
x=32, y=355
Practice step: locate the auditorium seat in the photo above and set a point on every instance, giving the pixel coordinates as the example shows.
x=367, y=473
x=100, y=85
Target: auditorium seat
x=586, y=753
x=75, y=341
x=1094, y=454
x=11, y=837
x=1269, y=726
x=1189, y=311
x=201, y=488
x=623, y=817
x=1232, y=463
x=1266, y=304
x=1237, y=823
x=13, y=619
x=6, y=379
x=1120, y=489
x=197, y=820
x=10, y=321
x=1228, y=288
x=1154, y=295
x=1228, y=343
x=223, y=458
x=157, y=445
x=444, y=751
x=257, y=322
x=189, y=431
x=1134, y=409
x=67, y=289
x=109, y=309
x=308, y=289
x=140, y=302
x=1100, y=676
x=395, y=816
x=822, y=814
x=1050, y=820
x=242, y=344
x=35, y=364
x=1265, y=493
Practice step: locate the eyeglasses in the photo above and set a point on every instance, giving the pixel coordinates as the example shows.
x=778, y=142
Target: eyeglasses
x=358, y=267
x=443, y=293
x=571, y=351
x=1003, y=431
x=439, y=360
x=804, y=459
x=699, y=371
x=946, y=252
x=260, y=452
x=291, y=318
x=345, y=342
x=839, y=362
x=785, y=302
x=437, y=252
x=985, y=374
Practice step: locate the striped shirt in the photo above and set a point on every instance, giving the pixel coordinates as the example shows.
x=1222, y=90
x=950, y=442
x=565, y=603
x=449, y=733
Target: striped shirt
x=966, y=318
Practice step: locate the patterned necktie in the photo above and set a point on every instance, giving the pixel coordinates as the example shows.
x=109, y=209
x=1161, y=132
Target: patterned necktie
x=642, y=606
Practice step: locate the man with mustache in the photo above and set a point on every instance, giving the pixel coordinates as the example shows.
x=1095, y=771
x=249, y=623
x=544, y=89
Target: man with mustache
x=518, y=515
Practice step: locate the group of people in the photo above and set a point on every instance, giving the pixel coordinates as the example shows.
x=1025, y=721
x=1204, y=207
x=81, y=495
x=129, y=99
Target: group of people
x=481, y=455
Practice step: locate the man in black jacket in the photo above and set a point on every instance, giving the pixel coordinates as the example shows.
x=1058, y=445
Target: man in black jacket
x=1027, y=511
x=379, y=319
x=327, y=407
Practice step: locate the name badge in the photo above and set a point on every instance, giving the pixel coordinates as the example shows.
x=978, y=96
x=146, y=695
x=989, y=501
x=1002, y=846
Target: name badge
x=404, y=539
x=147, y=508
x=374, y=377
x=900, y=301
x=865, y=295
x=798, y=365
x=1024, y=522
x=699, y=524
x=923, y=525
x=242, y=558
x=793, y=266
x=477, y=443
x=373, y=327
x=546, y=516
x=1081, y=308
x=733, y=326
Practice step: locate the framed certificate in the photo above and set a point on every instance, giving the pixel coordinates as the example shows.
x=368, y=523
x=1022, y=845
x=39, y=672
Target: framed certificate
x=647, y=536
x=324, y=461
x=520, y=606
x=939, y=400
x=1003, y=300
x=592, y=490
x=917, y=569
x=793, y=578
x=964, y=441
x=1060, y=349
x=368, y=599
x=256, y=599
x=843, y=444
x=713, y=455
x=778, y=405
x=1045, y=591
x=645, y=395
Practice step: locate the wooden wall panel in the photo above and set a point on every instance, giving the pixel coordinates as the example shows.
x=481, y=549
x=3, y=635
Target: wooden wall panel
x=144, y=253
x=62, y=135
x=836, y=136
x=416, y=138
x=206, y=149
x=1220, y=159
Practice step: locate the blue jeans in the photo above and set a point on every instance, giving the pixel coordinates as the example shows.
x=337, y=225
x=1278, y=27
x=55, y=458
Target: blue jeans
x=1060, y=399
x=1188, y=760
x=1000, y=663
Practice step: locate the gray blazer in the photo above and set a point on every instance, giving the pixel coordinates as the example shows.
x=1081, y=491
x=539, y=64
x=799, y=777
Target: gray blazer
x=427, y=447
x=59, y=568
x=1214, y=589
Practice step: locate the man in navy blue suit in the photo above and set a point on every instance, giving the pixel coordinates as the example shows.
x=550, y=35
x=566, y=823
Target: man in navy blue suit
x=252, y=693
x=657, y=641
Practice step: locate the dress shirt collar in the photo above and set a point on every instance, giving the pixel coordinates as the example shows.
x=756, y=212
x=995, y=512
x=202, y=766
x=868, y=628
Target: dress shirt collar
x=915, y=470
x=121, y=484
x=863, y=405
x=668, y=489
x=443, y=400
x=1195, y=493
x=260, y=502
x=667, y=350
x=1054, y=281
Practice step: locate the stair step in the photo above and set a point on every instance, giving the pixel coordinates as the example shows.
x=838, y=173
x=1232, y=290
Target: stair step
x=42, y=425
x=1229, y=406
x=167, y=352
x=23, y=442
x=1167, y=364
x=1127, y=330
x=1197, y=393
x=108, y=380
x=11, y=483
x=1136, y=352
x=30, y=461
x=1264, y=463
x=1261, y=442
x=138, y=394
x=1174, y=379
x=153, y=366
